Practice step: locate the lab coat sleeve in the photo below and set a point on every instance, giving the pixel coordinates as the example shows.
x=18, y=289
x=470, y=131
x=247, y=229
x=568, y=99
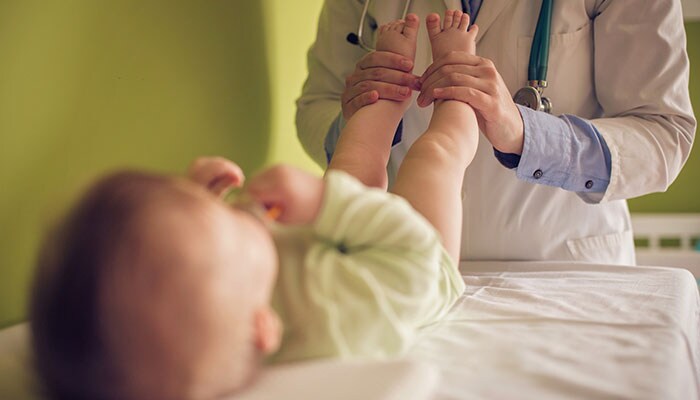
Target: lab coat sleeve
x=641, y=81
x=330, y=59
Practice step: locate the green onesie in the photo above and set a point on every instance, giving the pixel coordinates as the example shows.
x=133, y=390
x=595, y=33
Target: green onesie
x=363, y=279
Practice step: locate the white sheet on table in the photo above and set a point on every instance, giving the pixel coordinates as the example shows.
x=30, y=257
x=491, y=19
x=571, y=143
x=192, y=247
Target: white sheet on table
x=531, y=331
x=563, y=330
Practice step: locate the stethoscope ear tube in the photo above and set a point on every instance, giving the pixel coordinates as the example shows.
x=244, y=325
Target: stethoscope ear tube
x=358, y=38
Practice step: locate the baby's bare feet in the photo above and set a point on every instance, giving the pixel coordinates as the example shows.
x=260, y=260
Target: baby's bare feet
x=455, y=35
x=399, y=36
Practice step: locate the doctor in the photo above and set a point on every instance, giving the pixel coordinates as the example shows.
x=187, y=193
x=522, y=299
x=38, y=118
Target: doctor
x=543, y=186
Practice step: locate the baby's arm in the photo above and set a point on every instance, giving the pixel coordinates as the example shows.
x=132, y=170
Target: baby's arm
x=365, y=144
x=432, y=172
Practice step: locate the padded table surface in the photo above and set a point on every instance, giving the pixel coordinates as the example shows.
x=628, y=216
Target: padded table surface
x=525, y=330
x=541, y=330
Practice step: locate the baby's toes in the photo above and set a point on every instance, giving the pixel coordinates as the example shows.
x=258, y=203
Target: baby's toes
x=432, y=22
x=410, y=28
x=456, y=18
x=473, y=31
x=449, y=14
x=464, y=22
x=398, y=26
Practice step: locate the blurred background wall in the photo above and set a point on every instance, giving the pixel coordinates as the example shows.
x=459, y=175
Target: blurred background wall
x=90, y=86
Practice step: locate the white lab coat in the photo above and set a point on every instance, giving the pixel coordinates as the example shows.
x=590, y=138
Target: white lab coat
x=620, y=63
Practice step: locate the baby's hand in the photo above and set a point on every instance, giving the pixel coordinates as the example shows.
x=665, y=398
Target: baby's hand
x=295, y=193
x=399, y=37
x=455, y=35
x=217, y=174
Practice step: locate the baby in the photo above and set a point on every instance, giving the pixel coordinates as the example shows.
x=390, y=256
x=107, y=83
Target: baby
x=154, y=288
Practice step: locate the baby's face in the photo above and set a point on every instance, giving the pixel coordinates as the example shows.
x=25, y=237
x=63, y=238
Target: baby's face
x=206, y=270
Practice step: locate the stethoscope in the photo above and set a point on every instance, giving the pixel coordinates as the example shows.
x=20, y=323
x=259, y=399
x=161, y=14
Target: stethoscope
x=529, y=96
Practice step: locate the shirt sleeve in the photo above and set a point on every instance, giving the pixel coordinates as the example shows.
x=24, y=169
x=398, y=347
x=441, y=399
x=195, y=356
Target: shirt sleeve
x=331, y=140
x=565, y=151
x=380, y=271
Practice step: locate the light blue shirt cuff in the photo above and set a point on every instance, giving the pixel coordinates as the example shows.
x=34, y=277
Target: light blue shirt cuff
x=331, y=141
x=566, y=152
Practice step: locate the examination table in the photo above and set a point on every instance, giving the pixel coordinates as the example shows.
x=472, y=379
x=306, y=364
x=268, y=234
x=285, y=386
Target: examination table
x=522, y=330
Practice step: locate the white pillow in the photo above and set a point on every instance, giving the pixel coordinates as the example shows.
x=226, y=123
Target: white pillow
x=345, y=380
x=324, y=379
x=16, y=378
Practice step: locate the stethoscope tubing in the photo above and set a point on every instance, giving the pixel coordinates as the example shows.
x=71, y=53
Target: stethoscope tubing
x=539, y=52
x=359, y=39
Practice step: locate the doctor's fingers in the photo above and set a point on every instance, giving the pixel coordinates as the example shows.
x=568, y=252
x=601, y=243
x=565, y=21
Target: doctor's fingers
x=385, y=59
x=482, y=71
x=368, y=92
x=488, y=86
x=484, y=104
x=456, y=58
x=386, y=75
x=350, y=105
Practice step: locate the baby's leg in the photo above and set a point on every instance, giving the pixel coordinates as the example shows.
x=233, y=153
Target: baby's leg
x=432, y=172
x=365, y=143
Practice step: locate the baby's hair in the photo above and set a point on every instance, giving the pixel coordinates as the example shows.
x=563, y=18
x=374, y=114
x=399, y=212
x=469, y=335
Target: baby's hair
x=71, y=356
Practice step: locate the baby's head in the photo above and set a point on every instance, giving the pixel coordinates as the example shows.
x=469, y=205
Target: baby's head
x=153, y=288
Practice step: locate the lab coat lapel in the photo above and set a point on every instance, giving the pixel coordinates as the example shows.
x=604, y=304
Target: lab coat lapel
x=490, y=9
x=452, y=5
x=385, y=11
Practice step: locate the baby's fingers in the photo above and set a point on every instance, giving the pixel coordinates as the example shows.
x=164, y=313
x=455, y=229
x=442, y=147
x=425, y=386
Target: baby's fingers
x=295, y=195
x=217, y=174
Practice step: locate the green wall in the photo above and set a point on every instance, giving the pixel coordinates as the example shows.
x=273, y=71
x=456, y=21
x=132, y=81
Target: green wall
x=88, y=86
x=288, y=43
x=684, y=193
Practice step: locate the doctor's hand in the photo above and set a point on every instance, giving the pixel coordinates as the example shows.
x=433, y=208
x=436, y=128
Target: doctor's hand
x=474, y=80
x=378, y=75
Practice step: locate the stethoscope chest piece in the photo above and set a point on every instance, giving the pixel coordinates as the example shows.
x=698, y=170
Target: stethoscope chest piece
x=531, y=97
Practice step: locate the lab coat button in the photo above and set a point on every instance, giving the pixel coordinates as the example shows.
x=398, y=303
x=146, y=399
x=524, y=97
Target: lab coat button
x=537, y=174
x=589, y=184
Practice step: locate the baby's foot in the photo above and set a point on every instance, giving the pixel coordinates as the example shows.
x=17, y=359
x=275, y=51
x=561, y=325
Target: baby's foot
x=455, y=35
x=399, y=36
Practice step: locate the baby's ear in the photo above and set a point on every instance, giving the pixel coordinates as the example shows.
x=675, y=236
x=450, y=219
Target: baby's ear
x=268, y=330
x=217, y=174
